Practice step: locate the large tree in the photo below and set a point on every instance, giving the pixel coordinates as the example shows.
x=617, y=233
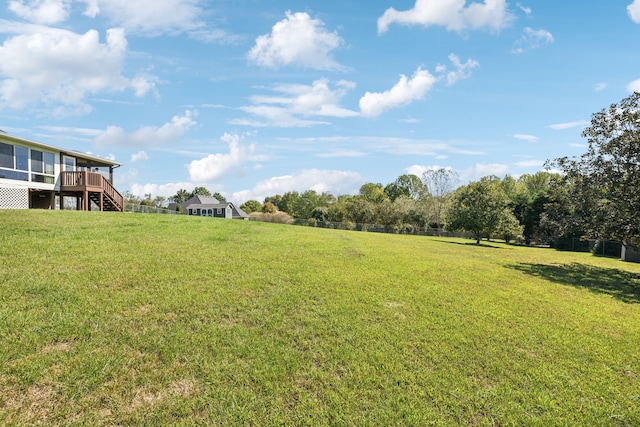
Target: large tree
x=605, y=180
x=407, y=185
x=181, y=196
x=439, y=183
x=251, y=206
x=479, y=207
x=219, y=197
x=373, y=193
x=200, y=191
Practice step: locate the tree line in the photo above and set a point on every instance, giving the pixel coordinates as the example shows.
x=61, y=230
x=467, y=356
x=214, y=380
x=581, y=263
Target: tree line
x=504, y=207
x=592, y=196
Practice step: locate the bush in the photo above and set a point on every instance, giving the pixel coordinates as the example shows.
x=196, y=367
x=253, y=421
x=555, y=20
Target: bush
x=277, y=217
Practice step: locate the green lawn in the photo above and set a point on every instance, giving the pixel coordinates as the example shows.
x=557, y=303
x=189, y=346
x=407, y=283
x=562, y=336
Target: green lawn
x=131, y=319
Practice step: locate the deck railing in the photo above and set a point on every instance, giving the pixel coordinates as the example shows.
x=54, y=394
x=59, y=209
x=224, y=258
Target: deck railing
x=90, y=181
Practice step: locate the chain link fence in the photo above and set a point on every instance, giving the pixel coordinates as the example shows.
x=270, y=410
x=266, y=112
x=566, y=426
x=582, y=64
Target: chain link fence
x=379, y=228
x=138, y=208
x=597, y=247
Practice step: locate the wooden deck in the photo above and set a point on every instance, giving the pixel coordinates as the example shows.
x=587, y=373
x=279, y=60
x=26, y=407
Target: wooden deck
x=90, y=186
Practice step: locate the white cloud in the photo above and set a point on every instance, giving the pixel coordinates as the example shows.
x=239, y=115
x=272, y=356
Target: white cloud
x=93, y=8
x=150, y=17
x=404, y=92
x=342, y=153
x=297, y=40
x=532, y=39
x=530, y=163
x=140, y=155
x=569, y=125
x=294, y=103
x=146, y=17
x=164, y=190
x=419, y=170
x=60, y=67
x=332, y=181
x=147, y=136
x=634, y=86
x=451, y=14
x=461, y=71
x=601, y=86
x=525, y=137
x=634, y=11
x=525, y=9
x=41, y=11
x=217, y=165
x=373, y=104
x=480, y=170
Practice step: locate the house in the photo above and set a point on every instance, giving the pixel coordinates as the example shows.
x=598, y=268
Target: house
x=34, y=175
x=630, y=252
x=210, y=206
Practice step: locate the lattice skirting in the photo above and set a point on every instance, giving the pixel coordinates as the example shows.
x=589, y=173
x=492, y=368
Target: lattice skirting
x=14, y=198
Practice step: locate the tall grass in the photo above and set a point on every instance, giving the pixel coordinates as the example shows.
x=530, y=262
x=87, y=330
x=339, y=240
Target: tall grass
x=126, y=319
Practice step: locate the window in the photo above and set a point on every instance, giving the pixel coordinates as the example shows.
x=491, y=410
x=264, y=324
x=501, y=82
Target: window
x=6, y=156
x=36, y=161
x=49, y=162
x=42, y=163
x=7, y=160
x=22, y=158
x=69, y=163
x=17, y=161
x=12, y=174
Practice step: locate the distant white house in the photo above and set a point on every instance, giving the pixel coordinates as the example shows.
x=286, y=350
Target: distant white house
x=41, y=176
x=210, y=206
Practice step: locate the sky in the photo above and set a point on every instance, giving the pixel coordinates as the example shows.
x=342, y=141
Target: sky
x=253, y=98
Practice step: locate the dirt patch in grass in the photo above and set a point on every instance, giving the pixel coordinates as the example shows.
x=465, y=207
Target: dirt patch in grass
x=179, y=388
x=57, y=347
x=34, y=405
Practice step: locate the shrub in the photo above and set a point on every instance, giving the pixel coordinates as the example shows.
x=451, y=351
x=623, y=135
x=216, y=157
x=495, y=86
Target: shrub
x=277, y=217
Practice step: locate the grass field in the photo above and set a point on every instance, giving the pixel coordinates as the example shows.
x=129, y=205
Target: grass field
x=130, y=319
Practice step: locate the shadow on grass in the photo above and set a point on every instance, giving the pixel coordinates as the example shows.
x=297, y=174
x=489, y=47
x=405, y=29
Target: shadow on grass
x=622, y=285
x=473, y=243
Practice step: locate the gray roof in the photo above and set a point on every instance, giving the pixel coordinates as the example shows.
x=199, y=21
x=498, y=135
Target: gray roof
x=203, y=200
x=211, y=203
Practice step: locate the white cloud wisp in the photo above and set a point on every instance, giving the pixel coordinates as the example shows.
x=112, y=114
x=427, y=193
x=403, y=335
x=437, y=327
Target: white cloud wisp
x=293, y=104
x=532, y=39
x=451, y=14
x=147, y=136
x=407, y=90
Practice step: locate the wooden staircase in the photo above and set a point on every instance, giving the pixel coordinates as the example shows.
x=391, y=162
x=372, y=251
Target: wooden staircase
x=91, y=187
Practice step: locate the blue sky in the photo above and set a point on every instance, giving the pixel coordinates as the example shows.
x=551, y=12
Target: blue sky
x=254, y=98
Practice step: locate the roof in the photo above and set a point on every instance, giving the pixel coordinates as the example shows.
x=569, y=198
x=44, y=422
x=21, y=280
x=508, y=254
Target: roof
x=203, y=200
x=211, y=203
x=93, y=160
